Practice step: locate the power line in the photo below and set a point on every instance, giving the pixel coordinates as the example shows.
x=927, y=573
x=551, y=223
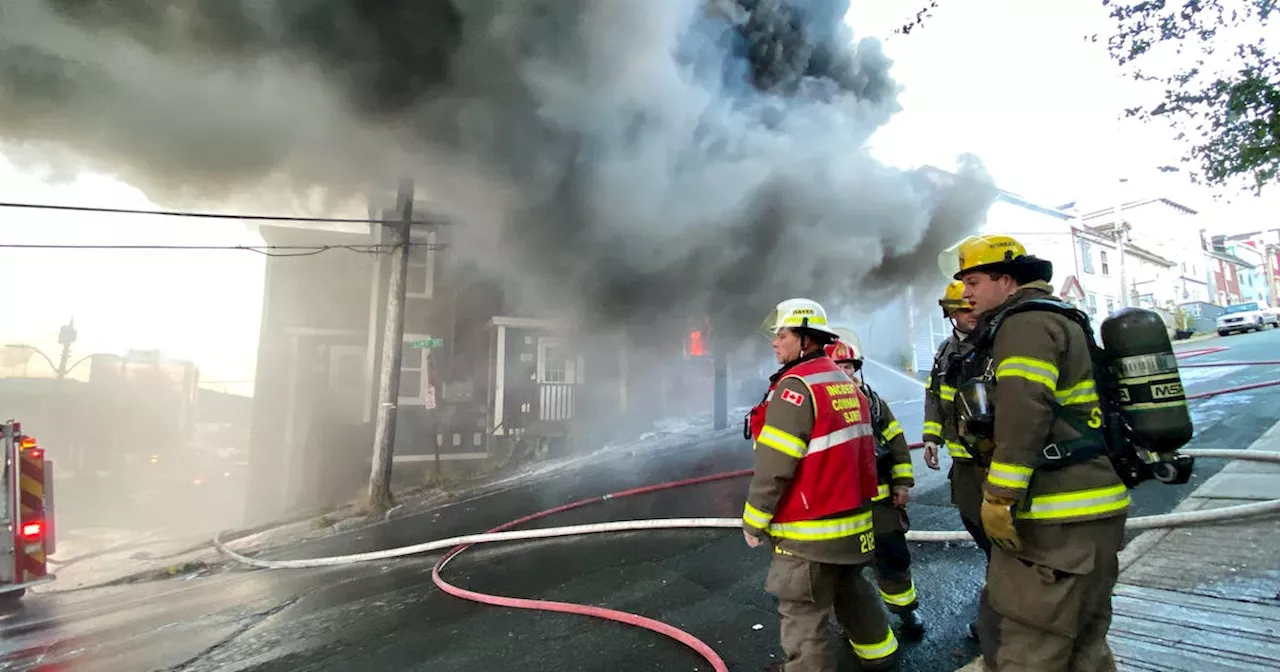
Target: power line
x=265, y=250
x=197, y=215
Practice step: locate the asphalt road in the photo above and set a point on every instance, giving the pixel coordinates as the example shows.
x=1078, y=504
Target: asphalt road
x=389, y=616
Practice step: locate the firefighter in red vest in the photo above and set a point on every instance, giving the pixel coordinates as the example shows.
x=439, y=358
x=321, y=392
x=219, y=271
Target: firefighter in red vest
x=810, y=499
x=888, y=507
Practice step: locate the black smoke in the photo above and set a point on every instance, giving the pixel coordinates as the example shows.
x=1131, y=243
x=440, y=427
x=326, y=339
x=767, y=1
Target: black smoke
x=631, y=160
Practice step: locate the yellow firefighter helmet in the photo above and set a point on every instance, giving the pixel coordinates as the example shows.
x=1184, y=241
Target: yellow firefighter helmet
x=953, y=299
x=1001, y=254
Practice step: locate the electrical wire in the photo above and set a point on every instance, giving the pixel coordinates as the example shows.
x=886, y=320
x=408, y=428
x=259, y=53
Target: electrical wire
x=265, y=250
x=196, y=215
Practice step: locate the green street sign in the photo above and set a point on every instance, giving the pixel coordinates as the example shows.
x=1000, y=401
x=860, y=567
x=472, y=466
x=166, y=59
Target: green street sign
x=432, y=342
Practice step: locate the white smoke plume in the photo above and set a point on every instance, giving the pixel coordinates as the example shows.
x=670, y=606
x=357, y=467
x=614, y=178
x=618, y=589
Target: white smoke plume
x=636, y=159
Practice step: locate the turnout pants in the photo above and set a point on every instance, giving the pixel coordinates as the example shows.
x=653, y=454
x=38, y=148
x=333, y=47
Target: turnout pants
x=1048, y=608
x=808, y=592
x=893, y=558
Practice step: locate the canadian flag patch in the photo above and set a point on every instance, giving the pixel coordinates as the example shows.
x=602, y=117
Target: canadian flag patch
x=792, y=397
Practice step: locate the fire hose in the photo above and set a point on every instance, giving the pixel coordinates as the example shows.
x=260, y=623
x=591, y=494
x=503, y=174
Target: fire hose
x=504, y=532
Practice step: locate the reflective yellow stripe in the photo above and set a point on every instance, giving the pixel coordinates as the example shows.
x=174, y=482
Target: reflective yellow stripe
x=1079, y=504
x=928, y=380
x=902, y=471
x=787, y=444
x=793, y=320
x=893, y=431
x=882, y=493
x=1009, y=475
x=904, y=599
x=933, y=429
x=1084, y=392
x=823, y=530
x=882, y=649
x=947, y=393
x=958, y=451
x=1029, y=368
x=755, y=517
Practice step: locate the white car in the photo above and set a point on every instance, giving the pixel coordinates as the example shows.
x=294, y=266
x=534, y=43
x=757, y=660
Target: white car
x=1250, y=316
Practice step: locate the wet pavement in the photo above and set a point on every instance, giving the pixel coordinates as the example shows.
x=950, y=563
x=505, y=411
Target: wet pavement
x=389, y=615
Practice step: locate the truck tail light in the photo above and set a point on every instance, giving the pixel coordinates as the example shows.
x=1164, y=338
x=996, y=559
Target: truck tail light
x=32, y=531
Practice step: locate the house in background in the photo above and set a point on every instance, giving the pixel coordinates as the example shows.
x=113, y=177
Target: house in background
x=1228, y=272
x=1166, y=229
x=1251, y=271
x=480, y=371
x=1267, y=244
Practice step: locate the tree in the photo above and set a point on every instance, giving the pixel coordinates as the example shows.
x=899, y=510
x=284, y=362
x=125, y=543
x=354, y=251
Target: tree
x=1228, y=113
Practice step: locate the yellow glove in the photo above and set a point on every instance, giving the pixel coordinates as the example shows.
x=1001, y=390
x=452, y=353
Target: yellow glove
x=997, y=521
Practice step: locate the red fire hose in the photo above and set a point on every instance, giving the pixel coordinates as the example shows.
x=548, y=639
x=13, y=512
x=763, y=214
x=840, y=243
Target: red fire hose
x=662, y=628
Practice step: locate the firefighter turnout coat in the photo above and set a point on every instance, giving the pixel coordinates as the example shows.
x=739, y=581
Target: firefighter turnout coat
x=1042, y=369
x=891, y=437
x=940, y=428
x=814, y=467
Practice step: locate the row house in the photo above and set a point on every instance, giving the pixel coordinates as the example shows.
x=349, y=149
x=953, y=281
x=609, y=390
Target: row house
x=1262, y=247
x=1235, y=278
x=1110, y=266
x=1168, y=230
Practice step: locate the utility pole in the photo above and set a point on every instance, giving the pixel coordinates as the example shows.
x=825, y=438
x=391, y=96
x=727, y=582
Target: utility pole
x=720, y=366
x=66, y=336
x=1121, y=234
x=384, y=438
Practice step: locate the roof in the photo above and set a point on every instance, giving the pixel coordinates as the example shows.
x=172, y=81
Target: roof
x=1230, y=258
x=933, y=172
x=1105, y=232
x=1134, y=204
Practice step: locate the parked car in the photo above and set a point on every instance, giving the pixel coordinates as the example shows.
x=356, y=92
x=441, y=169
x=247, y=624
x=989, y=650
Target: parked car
x=1250, y=316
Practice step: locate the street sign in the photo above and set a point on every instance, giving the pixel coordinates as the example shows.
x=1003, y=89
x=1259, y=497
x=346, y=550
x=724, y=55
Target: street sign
x=431, y=342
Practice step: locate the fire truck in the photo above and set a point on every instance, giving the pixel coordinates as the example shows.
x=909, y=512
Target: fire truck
x=26, y=514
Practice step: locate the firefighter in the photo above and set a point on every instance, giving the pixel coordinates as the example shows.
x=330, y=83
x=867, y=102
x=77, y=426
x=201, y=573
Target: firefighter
x=965, y=475
x=1053, y=505
x=888, y=507
x=809, y=499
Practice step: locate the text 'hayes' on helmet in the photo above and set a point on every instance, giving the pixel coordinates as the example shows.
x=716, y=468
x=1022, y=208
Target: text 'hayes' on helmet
x=800, y=314
x=994, y=253
x=953, y=299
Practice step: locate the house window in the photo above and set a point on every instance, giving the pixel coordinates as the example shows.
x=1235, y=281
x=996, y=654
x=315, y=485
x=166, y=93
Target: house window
x=420, y=282
x=1111, y=305
x=1091, y=302
x=1086, y=256
x=1106, y=270
x=556, y=362
x=413, y=371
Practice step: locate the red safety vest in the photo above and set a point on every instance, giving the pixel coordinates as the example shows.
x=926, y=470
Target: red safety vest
x=838, y=471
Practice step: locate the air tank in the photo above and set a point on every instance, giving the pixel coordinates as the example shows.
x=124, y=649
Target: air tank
x=1150, y=389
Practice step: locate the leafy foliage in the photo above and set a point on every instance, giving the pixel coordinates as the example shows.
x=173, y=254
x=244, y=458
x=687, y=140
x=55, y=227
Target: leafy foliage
x=925, y=13
x=1227, y=113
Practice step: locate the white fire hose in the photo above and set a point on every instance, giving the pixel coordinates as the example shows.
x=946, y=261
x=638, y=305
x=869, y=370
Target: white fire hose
x=1166, y=520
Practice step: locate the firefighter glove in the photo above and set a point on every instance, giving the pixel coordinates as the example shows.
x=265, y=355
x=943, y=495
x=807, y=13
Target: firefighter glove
x=997, y=521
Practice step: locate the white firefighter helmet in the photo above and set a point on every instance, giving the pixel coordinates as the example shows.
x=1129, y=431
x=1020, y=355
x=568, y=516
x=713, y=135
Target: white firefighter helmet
x=851, y=339
x=798, y=314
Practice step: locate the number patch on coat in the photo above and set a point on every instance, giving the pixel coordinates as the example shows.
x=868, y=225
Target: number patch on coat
x=792, y=397
x=868, y=541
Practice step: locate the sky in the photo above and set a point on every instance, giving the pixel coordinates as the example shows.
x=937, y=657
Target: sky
x=1013, y=82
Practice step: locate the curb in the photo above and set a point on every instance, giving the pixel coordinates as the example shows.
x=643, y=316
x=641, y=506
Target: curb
x=1148, y=540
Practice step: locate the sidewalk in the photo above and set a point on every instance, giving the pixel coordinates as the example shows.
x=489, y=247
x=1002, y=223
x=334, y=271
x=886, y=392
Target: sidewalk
x=1206, y=598
x=1203, y=598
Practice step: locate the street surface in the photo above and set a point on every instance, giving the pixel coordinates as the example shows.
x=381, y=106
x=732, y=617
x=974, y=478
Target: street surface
x=389, y=616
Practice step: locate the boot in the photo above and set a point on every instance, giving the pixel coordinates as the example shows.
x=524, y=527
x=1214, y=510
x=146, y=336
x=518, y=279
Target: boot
x=912, y=625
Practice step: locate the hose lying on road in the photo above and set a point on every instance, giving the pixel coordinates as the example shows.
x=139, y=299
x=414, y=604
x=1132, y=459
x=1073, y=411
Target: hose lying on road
x=504, y=533
x=501, y=533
